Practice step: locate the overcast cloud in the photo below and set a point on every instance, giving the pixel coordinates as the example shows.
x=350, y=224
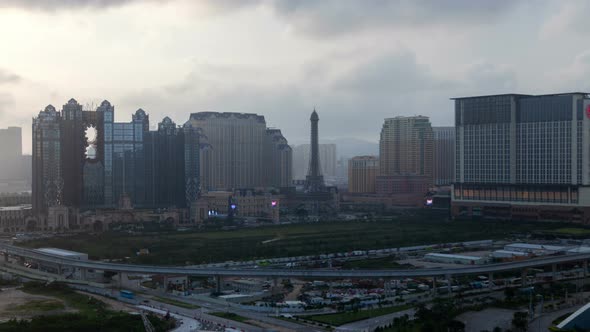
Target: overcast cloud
x=356, y=61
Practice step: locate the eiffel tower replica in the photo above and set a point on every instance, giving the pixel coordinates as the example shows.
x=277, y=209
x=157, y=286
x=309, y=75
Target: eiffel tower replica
x=314, y=181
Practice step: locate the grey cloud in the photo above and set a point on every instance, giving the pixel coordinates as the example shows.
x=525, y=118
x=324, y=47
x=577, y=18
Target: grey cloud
x=327, y=17
x=391, y=73
x=351, y=104
x=333, y=17
x=7, y=77
x=51, y=5
x=490, y=79
x=341, y=17
x=6, y=101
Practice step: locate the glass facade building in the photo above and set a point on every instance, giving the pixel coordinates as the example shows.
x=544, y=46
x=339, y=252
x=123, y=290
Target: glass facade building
x=127, y=163
x=516, y=150
x=444, y=155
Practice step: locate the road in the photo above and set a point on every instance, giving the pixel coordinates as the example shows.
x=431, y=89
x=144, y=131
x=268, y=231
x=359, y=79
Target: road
x=187, y=324
x=543, y=323
x=207, y=305
x=291, y=273
x=372, y=323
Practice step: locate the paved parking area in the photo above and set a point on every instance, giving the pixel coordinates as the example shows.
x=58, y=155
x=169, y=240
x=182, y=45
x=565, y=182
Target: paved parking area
x=487, y=319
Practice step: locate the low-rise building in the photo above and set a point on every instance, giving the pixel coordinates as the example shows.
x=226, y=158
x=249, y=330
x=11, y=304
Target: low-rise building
x=67, y=271
x=14, y=218
x=238, y=203
x=13, y=199
x=247, y=285
x=64, y=253
x=454, y=259
x=509, y=255
x=578, y=250
x=536, y=249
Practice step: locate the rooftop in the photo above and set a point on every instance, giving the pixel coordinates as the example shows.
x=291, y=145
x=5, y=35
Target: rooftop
x=578, y=319
x=209, y=114
x=16, y=208
x=534, y=246
x=60, y=252
x=522, y=95
x=452, y=256
x=510, y=252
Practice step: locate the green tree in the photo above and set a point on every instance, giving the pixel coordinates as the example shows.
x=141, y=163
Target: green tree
x=509, y=293
x=456, y=326
x=520, y=321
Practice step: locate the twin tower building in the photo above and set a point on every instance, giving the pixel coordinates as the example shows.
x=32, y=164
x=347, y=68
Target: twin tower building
x=84, y=159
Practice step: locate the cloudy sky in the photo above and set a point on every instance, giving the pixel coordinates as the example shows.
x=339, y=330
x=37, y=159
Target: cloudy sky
x=357, y=62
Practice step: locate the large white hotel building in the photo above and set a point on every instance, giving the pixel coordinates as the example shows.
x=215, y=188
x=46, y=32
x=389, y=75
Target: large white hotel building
x=523, y=157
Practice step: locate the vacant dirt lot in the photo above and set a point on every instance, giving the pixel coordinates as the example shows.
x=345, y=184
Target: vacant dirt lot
x=17, y=304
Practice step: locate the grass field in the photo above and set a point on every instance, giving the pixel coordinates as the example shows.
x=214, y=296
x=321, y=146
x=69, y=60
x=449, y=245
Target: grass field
x=231, y=316
x=179, y=248
x=92, y=314
x=176, y=303
x=349, y=317
x=569, y=231
x=38, y=305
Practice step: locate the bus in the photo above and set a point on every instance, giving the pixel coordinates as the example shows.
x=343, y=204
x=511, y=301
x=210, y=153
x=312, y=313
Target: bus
x=127, y=294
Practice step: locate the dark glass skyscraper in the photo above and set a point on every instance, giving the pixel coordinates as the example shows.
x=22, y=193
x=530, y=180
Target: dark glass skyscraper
x=173, y=155
x=124, y=161
x=47, y=167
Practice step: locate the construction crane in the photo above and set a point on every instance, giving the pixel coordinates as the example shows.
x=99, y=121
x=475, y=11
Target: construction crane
x=146, y=323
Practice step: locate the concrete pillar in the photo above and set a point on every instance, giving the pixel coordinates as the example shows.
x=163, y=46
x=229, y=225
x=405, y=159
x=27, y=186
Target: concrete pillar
x=490, y=279
x=554, y=272
x=449, y=285
x=523, y=276
x=59, y=270
x=218, y=281
x=585, y=268
x=275, y=286
x=434, y=286
x=120, y=279
x=83, y=273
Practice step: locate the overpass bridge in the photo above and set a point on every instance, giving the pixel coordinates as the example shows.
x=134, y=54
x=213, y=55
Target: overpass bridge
x=83, y=265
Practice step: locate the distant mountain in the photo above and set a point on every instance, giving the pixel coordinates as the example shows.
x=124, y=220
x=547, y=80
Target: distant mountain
x=349, y=147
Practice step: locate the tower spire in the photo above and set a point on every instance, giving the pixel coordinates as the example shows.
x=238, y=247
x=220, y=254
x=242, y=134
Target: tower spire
x=314, y=181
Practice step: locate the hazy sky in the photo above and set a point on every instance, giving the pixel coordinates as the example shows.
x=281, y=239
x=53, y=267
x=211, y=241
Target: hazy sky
x=357, y=62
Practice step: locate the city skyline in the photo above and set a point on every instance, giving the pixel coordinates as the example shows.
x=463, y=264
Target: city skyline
x=301, y=54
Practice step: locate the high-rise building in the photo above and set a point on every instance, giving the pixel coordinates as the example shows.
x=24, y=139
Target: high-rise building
x=444, y=155
x=405, y=156
x=172, y=169
x=11, y=142
x=362, y=173
x=278, y=159
x=11, y=152
x=523, y=157
x=237, y=152
x=47, y=172
x=83, y=159
x=328, y=160
x=237, y=144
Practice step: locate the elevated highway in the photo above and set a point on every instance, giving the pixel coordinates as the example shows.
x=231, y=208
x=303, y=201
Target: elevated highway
x=291, y=273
